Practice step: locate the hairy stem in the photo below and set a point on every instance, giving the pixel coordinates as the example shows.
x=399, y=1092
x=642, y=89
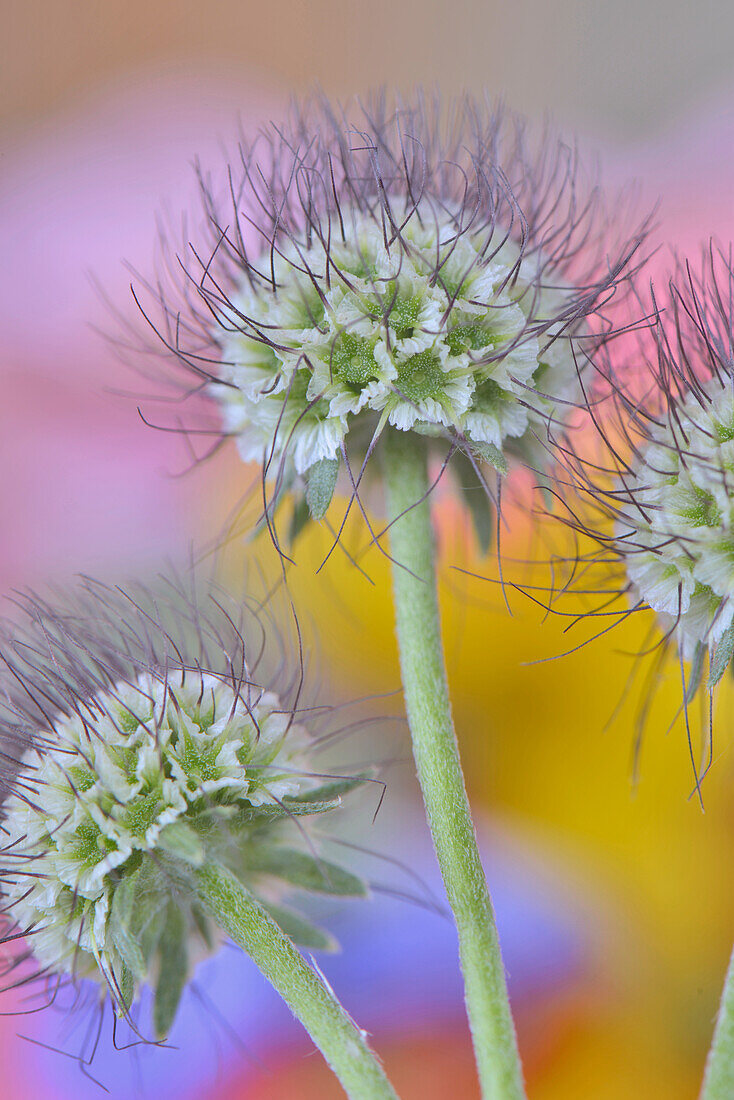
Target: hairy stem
x=438, y=766
x=718, y=1081
x=342, y=1044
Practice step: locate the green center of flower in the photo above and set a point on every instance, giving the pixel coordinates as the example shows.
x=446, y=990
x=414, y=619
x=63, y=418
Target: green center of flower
x=421, y=377
x=724, y=432
x=469, y=337
x=403, y=314
x=353, y=359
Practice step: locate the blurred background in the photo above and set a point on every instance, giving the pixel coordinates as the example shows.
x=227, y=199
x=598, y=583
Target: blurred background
x=615, y=899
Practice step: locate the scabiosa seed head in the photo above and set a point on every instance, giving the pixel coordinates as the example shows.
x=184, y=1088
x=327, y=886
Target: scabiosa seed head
x=420, y=322
x=679, y=518
x=152, y=750
x=662, y=489
x=413, y=268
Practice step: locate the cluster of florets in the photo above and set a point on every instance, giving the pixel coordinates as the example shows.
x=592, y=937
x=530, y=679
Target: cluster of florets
x=409, y=272
x=678, y=525
x=417, y=322
x=663, y=480
x=132, y=786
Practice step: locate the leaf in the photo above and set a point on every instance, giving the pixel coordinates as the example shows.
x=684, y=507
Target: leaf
x=120, y=926
x=263, y=815
x=181, y=842
x=722, y=656
x=423, y=427
x=694, y=677
x=172, y=973
x=273, y=505
x=304, y=871
x=491, y=454
x=321, y=479
x=125, y=990
x=149, y=911
x=300, y=930
x=299, y=518
x=203, y=926
x=476, y=499
x=332, y=790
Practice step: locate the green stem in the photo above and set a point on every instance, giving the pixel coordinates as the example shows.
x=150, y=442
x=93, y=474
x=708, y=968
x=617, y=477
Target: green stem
x=718, y=1081
x=342, y=1044
x=437, y=761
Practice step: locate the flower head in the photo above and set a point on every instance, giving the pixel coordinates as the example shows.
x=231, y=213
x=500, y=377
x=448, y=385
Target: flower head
x=152, y=750
x=679, y=518
x=412, y=270
x=662, y=490
x=426, y=322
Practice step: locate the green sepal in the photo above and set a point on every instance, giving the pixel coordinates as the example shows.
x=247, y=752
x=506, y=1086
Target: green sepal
x=331, y=791
x=172, y=971
x=149, y=914
x=424, y=427
x=285, y=483
x=262, y=815
x=300, y=930
x=299, y=518
x=544, y=483
x=203, y=926
x=120, y=925
x=694, y=677
x=304, y=871
x=181, y=842
x=491, y=454
x=320, y=486
x=476, y=498
x=125, y=991
x=722, y=656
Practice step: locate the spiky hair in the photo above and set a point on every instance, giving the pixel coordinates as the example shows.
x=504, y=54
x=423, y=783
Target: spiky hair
x=418, y=264
x=653, y=473
x=146, y=733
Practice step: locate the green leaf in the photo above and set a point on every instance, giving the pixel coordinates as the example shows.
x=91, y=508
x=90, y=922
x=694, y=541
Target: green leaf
x=263, y=815
x=433, y=431
x=203, y=926
x=284, y=484
x=476, y=499
x=491, y=454
x=125, y=990
x=299, y=518
x=329, y=792
x=304, y=871
x=321, y=483
x=181, y=842
x=172, y=971
x=722, y=656
x=694, y=677
x=120, y=926
x=149, y=912
x=300, y=930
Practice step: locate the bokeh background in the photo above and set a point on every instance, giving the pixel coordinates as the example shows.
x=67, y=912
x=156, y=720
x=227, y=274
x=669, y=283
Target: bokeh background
x=615, y=899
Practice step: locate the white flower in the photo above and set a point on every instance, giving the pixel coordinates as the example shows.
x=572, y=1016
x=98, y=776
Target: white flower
x=108, y=783
x=152, y=754
x=430, y=328
x=676, y=527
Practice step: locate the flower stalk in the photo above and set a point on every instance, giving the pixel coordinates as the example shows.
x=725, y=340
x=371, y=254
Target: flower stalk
x=718, y=1081
x=342, y=1043
x=438, y=765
